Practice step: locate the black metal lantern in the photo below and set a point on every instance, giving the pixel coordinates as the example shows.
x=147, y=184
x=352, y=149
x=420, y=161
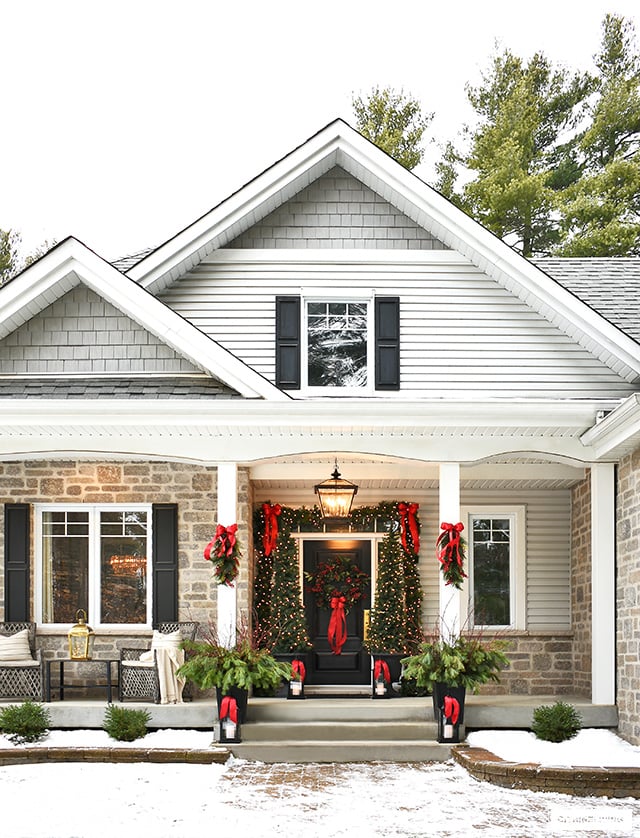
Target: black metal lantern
x=336, y=495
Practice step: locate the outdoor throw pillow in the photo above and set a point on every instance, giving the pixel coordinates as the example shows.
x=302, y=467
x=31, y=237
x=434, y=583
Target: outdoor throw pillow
x=16, y=647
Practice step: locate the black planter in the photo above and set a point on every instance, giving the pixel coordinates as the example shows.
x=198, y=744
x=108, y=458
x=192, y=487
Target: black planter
x=448, y=729
x=381, y=687
x=241, y=696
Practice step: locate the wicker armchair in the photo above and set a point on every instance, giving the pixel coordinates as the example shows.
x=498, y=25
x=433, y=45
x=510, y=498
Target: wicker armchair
x=22, y=678
x=139, y=679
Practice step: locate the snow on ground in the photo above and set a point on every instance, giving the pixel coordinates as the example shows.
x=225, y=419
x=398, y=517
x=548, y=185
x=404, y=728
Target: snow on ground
x=96, y=800
x=590, y=747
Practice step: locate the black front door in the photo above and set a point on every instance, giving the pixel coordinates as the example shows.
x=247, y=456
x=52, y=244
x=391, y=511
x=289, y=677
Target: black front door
x=352, y=665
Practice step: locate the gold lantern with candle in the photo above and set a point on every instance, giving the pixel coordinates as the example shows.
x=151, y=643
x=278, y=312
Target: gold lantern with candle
x=81, y=637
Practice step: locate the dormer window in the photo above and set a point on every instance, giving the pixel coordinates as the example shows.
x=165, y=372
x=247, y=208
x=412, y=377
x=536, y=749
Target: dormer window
x=338, y=346
x=337, y=341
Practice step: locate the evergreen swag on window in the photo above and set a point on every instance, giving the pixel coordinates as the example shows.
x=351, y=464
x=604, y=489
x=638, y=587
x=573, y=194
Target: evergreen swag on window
x=279, y=611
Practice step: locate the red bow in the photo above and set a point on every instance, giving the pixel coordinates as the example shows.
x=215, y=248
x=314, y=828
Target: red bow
x=270, y=536
x=381, y=668
x=449, y=540
x=451, y=709
x=408, y=518
x=299, y=668
x=337, y=632
x=229, y=709
x=226, y=539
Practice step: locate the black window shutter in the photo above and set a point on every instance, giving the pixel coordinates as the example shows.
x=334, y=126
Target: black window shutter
x=387, y=325
x=16, y=562
x=165, y=563
x=288, y=343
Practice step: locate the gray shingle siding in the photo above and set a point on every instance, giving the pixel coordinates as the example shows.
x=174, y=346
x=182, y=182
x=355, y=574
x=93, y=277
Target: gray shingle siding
x=337, y=211
x=82, y=333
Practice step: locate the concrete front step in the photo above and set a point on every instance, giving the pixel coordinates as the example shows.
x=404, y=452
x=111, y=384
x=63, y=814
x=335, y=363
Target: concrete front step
x=338, y=750
x=342, y=731
x=340, y=710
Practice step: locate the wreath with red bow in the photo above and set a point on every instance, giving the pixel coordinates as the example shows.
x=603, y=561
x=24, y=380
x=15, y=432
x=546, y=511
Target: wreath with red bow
x=451, y=553
x=338, y=578
x=223, y=551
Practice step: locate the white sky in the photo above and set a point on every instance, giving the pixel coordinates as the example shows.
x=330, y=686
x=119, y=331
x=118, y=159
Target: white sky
x=124, y=121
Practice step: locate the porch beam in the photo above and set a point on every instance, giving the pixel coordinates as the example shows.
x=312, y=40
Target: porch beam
x=449, y=509
x=227, y=515
x=603, y=674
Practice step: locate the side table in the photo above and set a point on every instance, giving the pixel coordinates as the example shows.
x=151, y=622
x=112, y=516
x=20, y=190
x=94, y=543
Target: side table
x=60, y=663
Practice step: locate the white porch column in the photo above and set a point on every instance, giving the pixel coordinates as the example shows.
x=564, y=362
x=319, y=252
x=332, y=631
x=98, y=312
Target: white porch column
x=603, y=591
x=227, y=515
x=450, y=512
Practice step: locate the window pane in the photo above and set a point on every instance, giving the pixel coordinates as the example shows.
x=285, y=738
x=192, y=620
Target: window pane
x=491, y=573
x=123, y=569
x=337, y=345
x=65, y=570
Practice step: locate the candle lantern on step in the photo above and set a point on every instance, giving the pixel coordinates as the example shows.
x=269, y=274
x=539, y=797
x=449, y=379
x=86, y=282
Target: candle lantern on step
x=381, y=680
x=81, y=637
x=296, y=684
x=449, y=719
x=229, y=720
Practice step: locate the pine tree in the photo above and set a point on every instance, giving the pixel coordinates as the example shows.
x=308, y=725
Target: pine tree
x=413, y=604
x=388, y=627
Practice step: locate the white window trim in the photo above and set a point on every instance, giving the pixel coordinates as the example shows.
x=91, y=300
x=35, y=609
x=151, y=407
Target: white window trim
x=333, y=297
x=517, y=569
x=94, y=560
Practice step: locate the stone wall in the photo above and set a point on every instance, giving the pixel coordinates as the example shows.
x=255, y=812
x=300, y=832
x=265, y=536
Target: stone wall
x=541, y=663
x=628, y=598
x=193, y=488
x=581, y=585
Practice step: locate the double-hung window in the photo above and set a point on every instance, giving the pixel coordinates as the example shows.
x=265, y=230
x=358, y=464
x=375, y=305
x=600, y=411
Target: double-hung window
x=328, y=344
x=496, y=567
x=96, y=558
x=338, y=345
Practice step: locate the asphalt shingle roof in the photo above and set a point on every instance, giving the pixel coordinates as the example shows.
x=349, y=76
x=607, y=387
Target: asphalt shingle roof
x=115, y=388
x=610, y=286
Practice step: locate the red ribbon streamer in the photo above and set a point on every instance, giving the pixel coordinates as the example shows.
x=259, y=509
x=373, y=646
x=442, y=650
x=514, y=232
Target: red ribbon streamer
x=270, y=535
x=229, y=709
x=381, y=668
x=450, y=541
x=337, y=632
x=408, y=520
x=299, y=668
x=451, y=709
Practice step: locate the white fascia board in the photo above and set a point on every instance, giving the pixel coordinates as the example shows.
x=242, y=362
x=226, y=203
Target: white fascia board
x=320, y=152
x=618, y=433
x=338, y=143
x=534, y=416
x=497, y=259
x=83, y=265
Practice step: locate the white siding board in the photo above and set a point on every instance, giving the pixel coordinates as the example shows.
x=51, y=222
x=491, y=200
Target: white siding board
x=458, y=326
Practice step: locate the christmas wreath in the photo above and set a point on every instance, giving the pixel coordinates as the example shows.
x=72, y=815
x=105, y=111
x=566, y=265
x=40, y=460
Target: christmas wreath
x=337, y=578
x=223, y=551
x=451, y=554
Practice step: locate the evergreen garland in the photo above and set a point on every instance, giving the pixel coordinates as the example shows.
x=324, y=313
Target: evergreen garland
x=388, y=626
x=279, y=611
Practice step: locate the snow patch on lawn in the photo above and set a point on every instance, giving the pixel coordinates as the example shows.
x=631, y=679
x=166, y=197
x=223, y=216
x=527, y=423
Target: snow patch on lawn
x=593, y=748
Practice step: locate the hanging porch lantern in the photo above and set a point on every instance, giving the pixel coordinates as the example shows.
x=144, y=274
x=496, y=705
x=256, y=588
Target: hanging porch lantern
x=336, y=495
x=81, y=637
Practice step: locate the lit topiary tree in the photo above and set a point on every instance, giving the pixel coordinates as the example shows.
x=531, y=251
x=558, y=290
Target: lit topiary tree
x=288, y=624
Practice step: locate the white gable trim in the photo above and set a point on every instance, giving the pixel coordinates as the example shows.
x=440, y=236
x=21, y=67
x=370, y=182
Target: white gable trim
x=71, y=263
x=339, y=144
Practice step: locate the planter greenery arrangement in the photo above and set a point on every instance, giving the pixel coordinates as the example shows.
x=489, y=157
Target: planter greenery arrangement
x=464, y=661
x=244, y=666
